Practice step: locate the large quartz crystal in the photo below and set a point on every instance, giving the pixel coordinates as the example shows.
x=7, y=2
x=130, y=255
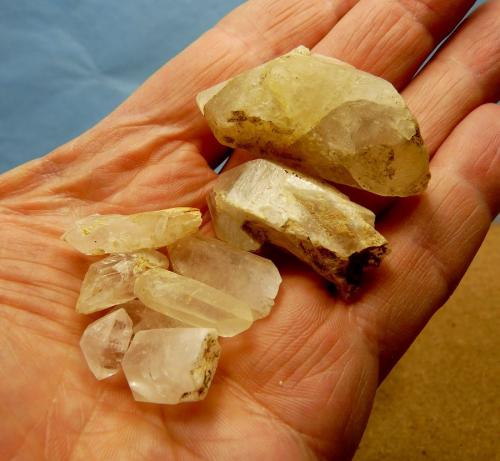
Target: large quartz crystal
x=171, y=365
x=110, y=281
x=193, y=302
x=144, y=318
x=100, y=234
x=324, y=117
x=105, y=341
x=261, y=201
x=251, y=278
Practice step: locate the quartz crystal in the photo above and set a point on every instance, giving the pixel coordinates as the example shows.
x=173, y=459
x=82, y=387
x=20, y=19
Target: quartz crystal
x=171, y=365
x=324, y=117
x=145, y=318
x=193, y=302
x=110, y=281
x=100, y=234
x=105, y=341
x=264, y=202
x=251, y=278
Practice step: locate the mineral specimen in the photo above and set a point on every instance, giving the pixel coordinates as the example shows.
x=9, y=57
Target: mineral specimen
x=100, y=234
x=248, y=277
x=192, y=302
x=110, y=281
x=265, y=202
x=144, y=318
x=105, y=341
x=171, y=365
x=324, y=117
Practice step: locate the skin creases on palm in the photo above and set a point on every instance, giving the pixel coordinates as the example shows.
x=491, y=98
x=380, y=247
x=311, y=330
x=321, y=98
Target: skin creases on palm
x=259, y=370
x=300, y=383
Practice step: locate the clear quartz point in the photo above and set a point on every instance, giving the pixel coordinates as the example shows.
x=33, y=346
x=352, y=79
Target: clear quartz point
x=105, y=341
x=193, y=302
x=101, y=234
x=110, y=281
x=171, y=365
x=246, y=276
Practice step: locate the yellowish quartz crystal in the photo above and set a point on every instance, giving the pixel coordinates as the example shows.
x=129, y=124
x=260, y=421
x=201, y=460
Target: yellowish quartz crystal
x=145, y=318
x=324, y=117
x=248, y=277
x=193, y=302
x=110, y=281
x=261, y=201
x=100, y=234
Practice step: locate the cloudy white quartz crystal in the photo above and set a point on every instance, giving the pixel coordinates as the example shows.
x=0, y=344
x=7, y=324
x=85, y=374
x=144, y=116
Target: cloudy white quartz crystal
x=110, y=281
x=101, y=234
x=193, y=302
x=248, y=277
x=171, y=365
x=324, y=117
x=105, y=341
x=261, y=201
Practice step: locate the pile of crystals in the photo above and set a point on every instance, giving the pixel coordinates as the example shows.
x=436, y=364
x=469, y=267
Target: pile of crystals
x=310, y=120
x=163, y=326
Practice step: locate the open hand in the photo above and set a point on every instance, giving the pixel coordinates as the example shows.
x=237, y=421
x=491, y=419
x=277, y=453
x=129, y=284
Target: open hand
x=300, y=383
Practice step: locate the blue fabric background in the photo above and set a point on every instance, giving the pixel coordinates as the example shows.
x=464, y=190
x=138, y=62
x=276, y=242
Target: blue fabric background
x=64, y=64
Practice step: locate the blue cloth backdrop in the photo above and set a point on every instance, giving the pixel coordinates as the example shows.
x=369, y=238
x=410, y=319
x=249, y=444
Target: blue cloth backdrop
x=64, y=64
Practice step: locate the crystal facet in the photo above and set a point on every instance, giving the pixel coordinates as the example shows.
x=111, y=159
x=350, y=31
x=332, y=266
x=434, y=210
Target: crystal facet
x=101, y=234
x=171, y=365
x=251, y=278
x=145, y=318
x=193, y=302
x=324, y=117
x=110, y=281
x=265, y=202
x=105, y=341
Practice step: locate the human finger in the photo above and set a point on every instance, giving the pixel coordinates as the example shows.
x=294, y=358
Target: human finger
x=461, y=77
x=392, y=38
x=435, y=236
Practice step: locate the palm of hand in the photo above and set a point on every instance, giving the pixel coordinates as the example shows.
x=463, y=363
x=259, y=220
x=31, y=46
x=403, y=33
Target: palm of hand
x=299, y=383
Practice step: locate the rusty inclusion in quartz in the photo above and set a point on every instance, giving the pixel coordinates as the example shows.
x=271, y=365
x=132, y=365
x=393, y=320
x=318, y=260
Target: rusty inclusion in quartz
x=261, y=201
x=323, y=117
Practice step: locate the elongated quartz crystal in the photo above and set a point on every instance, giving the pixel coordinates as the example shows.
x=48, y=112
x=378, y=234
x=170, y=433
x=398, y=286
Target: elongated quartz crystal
x=193, y=302
x=105, y=341
x=261, y=201
x=144, y=318
x=110, y=281
x=171, y=365
x=101, y=234
x=249, y=277
x=324, y=117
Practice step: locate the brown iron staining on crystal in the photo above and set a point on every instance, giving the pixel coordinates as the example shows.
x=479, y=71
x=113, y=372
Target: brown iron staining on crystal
x=323, y=117
x=345, y=274
x=262, y=202
x=203, y=371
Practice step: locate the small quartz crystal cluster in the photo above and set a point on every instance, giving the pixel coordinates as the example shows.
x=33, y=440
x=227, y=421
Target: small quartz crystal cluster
x=163, y=325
